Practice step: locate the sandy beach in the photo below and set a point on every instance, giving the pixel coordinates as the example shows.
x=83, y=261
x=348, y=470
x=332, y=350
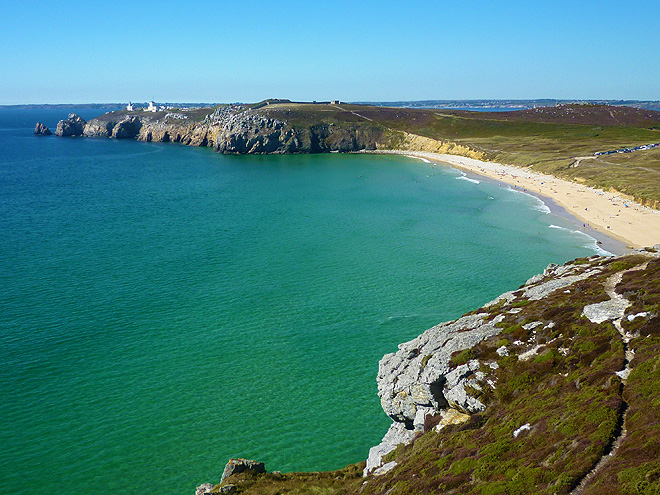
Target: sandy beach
x=609, y=213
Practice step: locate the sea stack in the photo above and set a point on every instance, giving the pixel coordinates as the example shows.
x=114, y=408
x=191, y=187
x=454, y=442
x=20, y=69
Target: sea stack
x=41, y=130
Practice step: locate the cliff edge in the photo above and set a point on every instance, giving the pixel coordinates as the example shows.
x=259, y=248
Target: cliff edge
x=263, y=128
x=553, y=388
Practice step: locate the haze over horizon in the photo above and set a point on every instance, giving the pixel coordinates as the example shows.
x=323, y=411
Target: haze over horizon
x=80, y=52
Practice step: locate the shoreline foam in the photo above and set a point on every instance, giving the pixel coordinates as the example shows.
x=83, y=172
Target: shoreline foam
x=608, y=213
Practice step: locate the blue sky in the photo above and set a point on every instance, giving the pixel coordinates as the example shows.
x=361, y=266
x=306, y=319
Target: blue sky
x=218, y=51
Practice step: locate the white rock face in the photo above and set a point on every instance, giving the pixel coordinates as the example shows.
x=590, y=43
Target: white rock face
x=419, y=380
x=397, y=434
x=607, y=310
x=420, y=376
x=563, y=279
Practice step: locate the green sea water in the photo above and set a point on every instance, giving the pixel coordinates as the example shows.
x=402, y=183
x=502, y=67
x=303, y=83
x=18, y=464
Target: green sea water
x=164, y=308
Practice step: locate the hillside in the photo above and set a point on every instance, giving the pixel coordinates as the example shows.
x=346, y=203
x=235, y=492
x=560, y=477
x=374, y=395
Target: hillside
x=551, y=388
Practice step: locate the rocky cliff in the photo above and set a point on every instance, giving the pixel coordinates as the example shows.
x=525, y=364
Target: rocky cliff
x=553, y=388
x=236, y=129
x=74, y=125
x=41, y=130
x=543, y=390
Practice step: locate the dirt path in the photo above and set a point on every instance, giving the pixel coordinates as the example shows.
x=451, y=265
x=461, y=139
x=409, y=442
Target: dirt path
x=578, y=160
x=616, y=301
x=354, y=113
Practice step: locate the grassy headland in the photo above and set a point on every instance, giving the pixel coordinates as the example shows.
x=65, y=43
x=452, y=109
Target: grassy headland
x=547, y=140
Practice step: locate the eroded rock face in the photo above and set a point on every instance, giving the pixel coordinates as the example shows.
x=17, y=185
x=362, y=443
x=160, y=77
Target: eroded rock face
x=249, y=132
x=98, y=128
x=419, y=380
x=232, y=129
x=74, y=125
x=235, y=466
x=41, y=130
x=396, y=435
x=129, y=127
x=419, y=376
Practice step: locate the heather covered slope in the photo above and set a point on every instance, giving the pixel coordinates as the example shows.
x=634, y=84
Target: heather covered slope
x=571, y=391
x=558, y=400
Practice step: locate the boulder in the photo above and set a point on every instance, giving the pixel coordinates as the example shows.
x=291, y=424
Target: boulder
x=203, y=489
x=72, y=126
x=235, y=466
x=41, y=130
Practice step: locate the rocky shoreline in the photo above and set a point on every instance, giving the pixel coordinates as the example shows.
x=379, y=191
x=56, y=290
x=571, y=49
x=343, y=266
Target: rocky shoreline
x=230, y=129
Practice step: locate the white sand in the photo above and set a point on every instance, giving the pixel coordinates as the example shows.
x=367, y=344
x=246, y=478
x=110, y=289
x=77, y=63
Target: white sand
x=609, y=213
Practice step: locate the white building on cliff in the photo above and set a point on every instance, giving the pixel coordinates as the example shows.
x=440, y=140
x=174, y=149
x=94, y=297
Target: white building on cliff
x=129, y=107
x=152, y=107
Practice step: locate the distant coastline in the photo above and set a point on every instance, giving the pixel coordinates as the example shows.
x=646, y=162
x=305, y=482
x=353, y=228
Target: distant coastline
x=486, y=105
x=477, y=105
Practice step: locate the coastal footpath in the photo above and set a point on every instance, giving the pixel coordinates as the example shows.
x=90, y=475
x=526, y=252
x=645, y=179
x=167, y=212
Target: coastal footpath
x=552, y=388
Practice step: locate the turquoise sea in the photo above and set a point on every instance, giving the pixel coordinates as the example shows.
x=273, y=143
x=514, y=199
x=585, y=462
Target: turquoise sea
x=164, y=308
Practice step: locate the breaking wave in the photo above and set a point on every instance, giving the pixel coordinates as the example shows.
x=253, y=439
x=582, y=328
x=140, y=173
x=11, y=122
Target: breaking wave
x=591, y=243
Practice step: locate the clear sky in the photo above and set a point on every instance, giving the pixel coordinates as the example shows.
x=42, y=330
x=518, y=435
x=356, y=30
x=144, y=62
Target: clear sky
x=71, y=51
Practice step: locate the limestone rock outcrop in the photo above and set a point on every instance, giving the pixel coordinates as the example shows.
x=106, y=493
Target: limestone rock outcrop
x=41, y=130
x=74, y=125
x=420, y=380
x=235, y=466
x=248, y=132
